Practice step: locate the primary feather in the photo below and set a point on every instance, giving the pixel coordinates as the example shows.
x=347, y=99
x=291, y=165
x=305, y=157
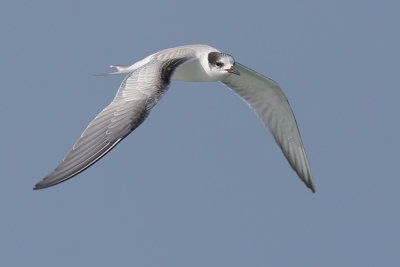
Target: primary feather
x=146, y=82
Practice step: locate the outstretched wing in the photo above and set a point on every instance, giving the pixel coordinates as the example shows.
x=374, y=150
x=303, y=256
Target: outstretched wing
x=269, y=102
x=138, y=93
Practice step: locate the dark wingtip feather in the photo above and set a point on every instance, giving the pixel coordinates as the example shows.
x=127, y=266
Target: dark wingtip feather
x=45, y=184
x=311, y=186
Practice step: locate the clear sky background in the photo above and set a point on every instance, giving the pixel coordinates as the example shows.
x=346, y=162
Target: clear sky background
x=201, y=182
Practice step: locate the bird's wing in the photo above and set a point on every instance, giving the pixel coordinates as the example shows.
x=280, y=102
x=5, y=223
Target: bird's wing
x=138, y=93
x=269, y=102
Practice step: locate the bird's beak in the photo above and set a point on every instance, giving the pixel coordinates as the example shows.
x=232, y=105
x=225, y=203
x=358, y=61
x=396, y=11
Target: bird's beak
x=233, y=71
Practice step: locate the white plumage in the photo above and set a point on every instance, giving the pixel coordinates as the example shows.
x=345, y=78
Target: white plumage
x=146, y=82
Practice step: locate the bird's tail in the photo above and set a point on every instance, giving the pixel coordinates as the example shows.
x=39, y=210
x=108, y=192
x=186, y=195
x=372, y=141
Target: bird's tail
x=121, y=69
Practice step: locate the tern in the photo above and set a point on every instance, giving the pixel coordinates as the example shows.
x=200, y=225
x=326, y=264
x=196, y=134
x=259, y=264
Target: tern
x=146, y=82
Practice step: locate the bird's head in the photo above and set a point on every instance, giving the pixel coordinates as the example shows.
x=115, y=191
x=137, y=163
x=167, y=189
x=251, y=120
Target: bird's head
x=221, y=64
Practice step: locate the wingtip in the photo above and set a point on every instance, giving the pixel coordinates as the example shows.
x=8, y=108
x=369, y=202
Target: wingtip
x=310, y=185
x=312, y=189
x=44, y=183
x=39, y=186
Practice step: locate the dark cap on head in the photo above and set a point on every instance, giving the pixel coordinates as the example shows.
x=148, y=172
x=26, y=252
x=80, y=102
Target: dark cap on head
x=213, y=57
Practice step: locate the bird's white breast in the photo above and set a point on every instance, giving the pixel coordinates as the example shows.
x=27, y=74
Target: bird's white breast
x=194, y=71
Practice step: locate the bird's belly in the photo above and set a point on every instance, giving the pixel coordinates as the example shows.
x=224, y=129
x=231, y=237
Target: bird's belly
x=192, y=71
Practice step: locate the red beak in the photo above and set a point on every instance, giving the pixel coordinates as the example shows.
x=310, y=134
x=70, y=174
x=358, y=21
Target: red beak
x=233, y=71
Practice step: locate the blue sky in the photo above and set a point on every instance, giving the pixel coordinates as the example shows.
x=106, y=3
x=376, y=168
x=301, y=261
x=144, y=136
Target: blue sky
x=202, y=182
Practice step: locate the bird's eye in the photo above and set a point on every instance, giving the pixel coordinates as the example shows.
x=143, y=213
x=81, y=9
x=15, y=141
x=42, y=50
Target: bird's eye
x=219, y=64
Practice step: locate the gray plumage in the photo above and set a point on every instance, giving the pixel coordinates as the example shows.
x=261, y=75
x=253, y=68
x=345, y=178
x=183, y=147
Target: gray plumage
x=146, y=82
x=265, y=97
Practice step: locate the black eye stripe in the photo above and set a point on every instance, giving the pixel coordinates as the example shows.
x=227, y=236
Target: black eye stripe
x=213, y=57
x=217, y=59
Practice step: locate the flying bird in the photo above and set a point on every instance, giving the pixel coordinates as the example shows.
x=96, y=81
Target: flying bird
x=148, y=79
